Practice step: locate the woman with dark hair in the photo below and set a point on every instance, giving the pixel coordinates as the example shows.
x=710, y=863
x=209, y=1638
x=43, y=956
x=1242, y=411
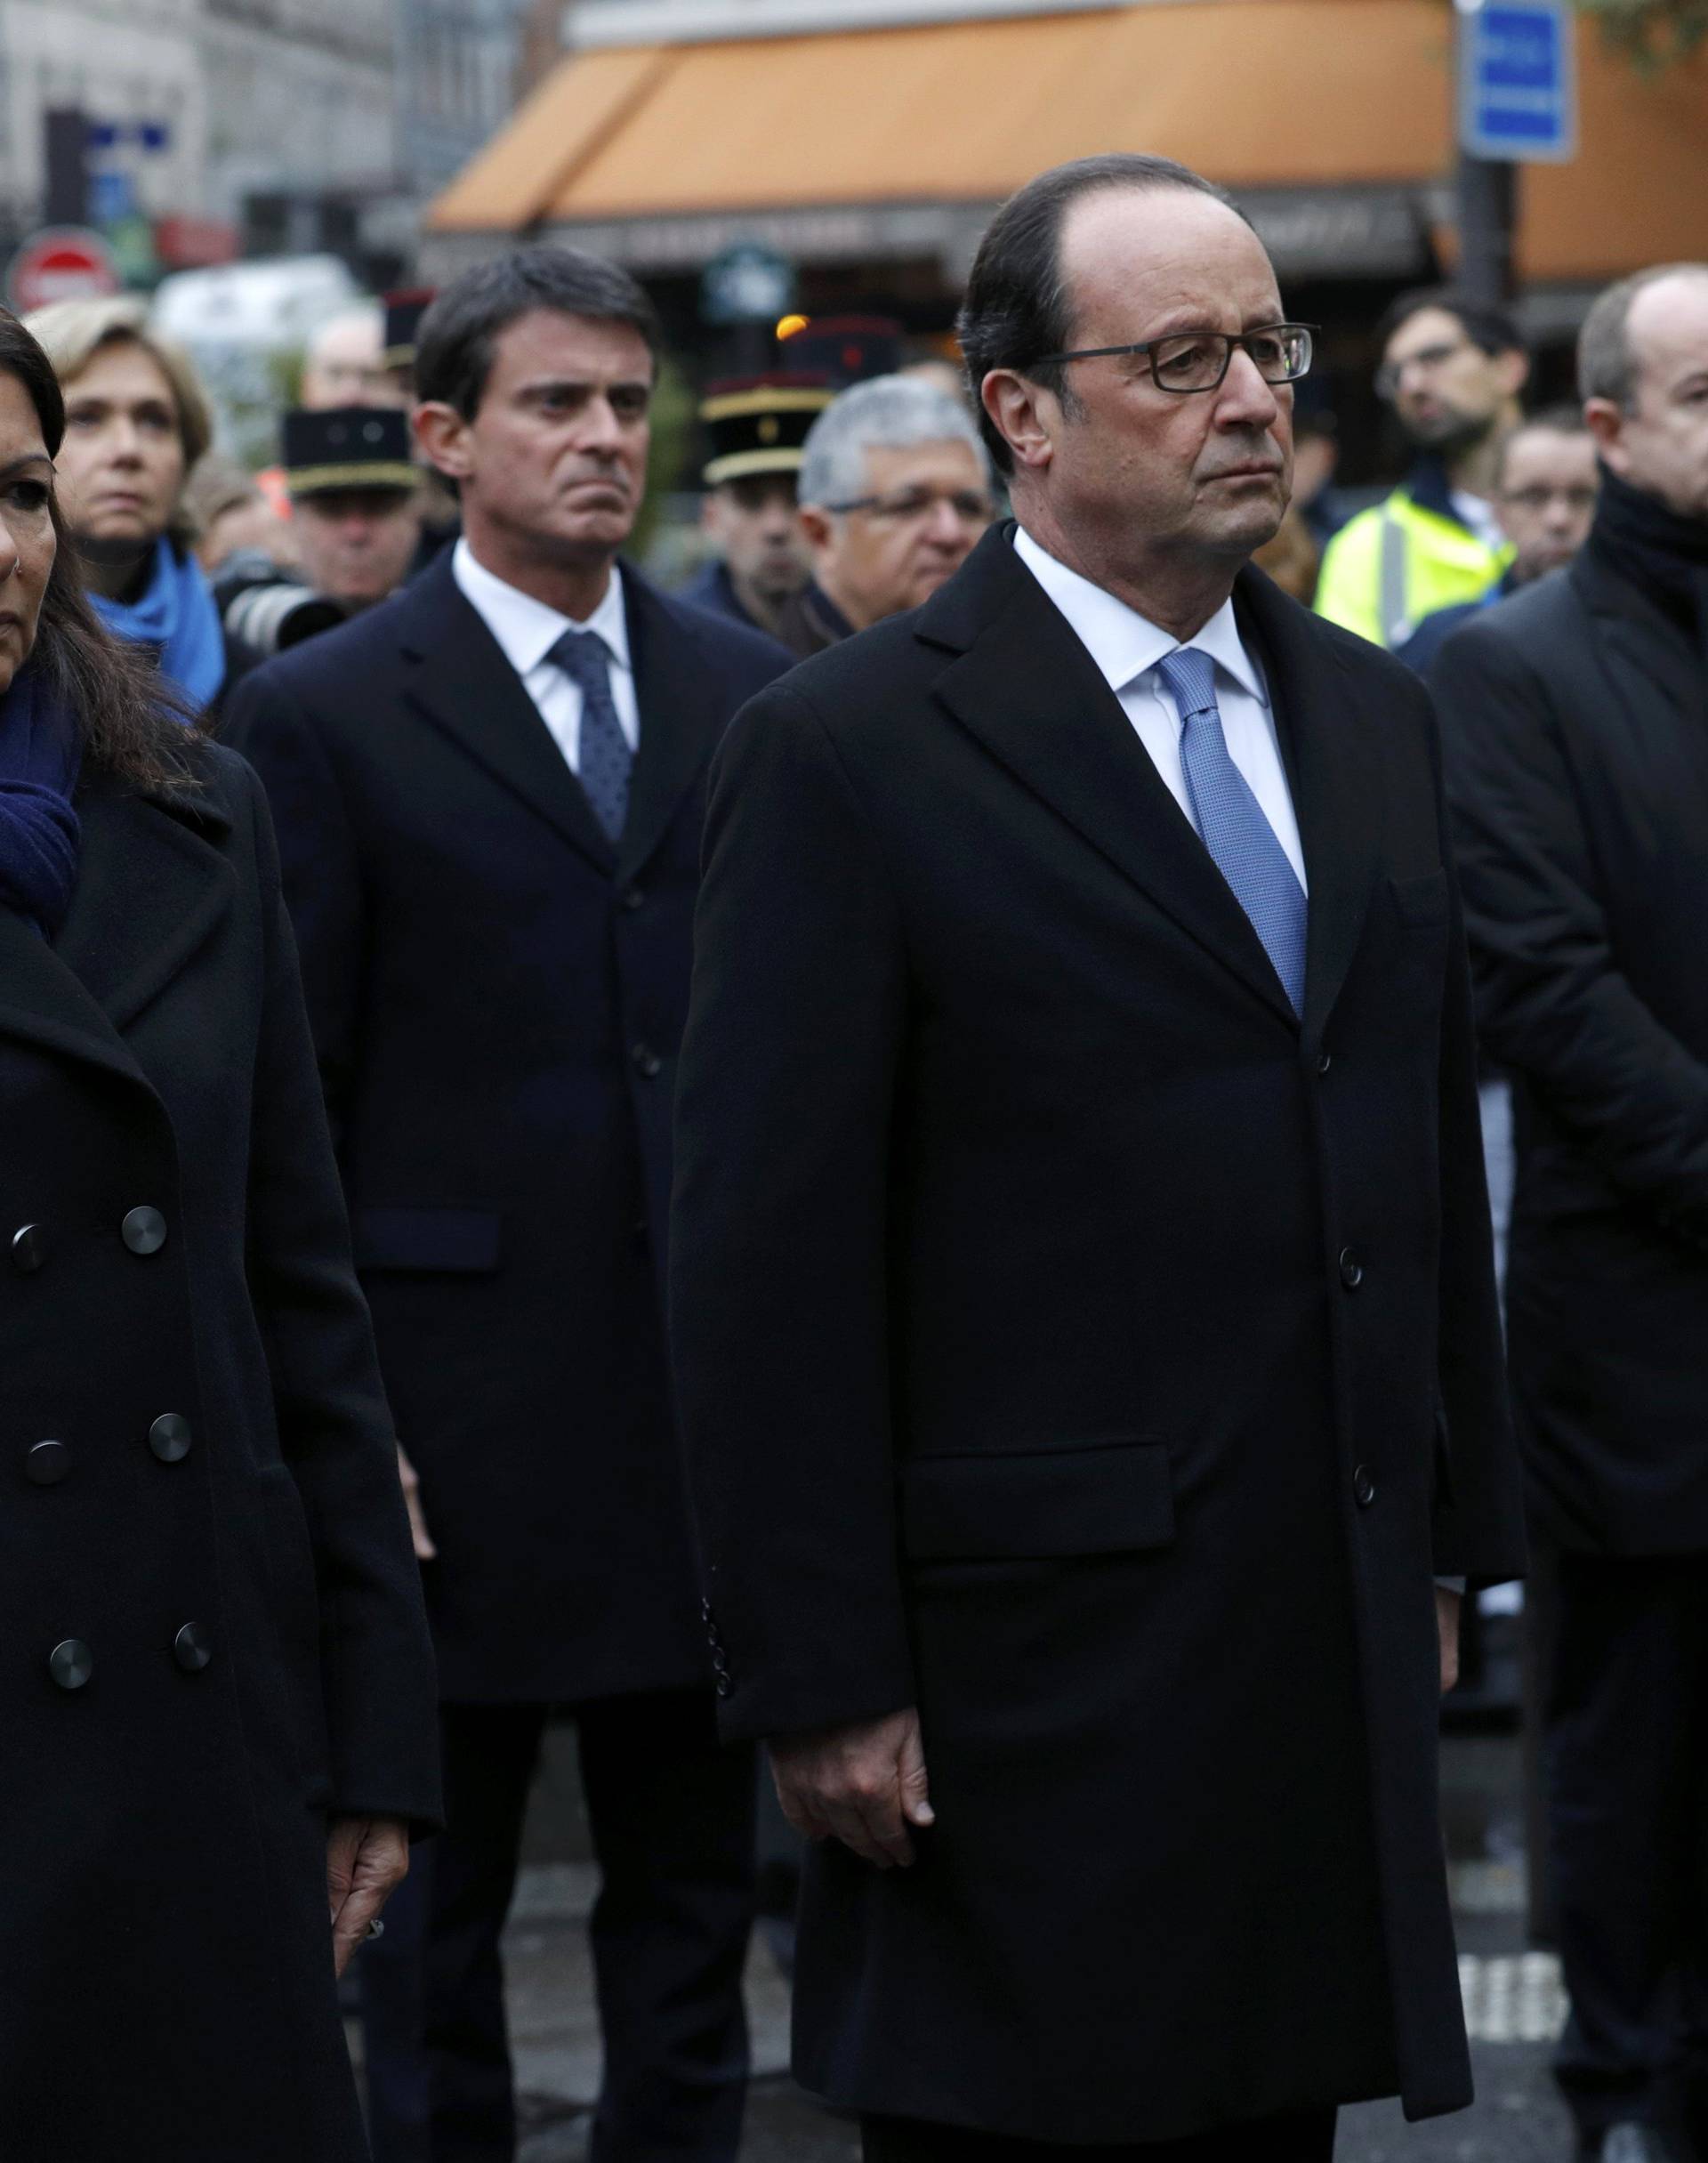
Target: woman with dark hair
x=216, y=1692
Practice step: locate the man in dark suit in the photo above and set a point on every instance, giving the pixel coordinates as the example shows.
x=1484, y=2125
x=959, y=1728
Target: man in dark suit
x=489, y=793
x=1578, y=764
x=1082, y=1299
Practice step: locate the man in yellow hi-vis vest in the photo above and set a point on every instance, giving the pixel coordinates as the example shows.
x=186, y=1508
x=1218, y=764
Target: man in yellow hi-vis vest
x=1452, y=370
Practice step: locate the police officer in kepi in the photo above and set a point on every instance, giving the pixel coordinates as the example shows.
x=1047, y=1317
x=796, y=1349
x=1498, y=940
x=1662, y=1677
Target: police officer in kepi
x=439, y=521
x=755, y=428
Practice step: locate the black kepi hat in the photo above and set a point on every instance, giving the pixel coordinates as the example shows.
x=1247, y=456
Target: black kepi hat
x=757, y=424
x=402, y=332
x=348, y=447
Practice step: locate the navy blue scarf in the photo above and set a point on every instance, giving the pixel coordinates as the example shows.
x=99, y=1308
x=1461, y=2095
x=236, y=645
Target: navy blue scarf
x=41, y=749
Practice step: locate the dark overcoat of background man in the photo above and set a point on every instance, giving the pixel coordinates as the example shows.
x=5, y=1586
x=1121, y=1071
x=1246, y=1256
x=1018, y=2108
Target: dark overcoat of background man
x=1081, y=1298
x=489, y=793
x=1576, y=717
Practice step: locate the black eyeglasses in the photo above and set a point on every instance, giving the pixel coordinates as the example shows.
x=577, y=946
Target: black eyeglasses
x=1192, y=361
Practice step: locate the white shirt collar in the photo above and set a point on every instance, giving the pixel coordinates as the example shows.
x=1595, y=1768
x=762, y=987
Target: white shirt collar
x=526, y=629
x=1124, y=643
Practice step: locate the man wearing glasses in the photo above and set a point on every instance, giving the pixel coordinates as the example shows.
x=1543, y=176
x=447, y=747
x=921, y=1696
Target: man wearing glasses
x=1452, y=370
x=1081, y=1301
x=894, y=493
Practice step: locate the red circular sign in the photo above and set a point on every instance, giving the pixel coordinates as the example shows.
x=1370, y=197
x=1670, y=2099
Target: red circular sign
x=63, y=264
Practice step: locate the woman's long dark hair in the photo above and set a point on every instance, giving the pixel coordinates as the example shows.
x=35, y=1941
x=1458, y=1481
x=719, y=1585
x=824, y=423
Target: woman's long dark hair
x=133, y=723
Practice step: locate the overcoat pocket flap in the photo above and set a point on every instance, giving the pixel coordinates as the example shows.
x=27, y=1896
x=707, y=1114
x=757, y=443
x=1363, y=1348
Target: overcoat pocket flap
x=464, y=1240
x=1109, y=1498
x=1421, y=900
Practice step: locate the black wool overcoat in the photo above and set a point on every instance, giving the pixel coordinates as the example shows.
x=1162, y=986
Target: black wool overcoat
x=498, y=996
x=211, y=1627
x=1576, y=721
x=1073, y=1343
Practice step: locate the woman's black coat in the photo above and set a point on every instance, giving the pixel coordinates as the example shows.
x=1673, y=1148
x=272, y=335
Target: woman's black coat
x=211, y=1631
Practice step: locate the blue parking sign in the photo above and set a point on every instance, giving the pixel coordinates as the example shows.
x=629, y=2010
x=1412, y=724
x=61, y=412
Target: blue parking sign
x=1517, y=80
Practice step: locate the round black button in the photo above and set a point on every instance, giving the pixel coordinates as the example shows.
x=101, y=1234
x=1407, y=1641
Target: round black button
x=193, y=1648
x=1364, y=1487
x=28, y=1250
x=169, y=1438
x=71, y=1663
x=723, y=1685
x=1324, y=1062
x=705, y=1610
x=633, y=899
x=144, y=1232
x=48, y=1463
x=1351, y=1270
x=646, y=1060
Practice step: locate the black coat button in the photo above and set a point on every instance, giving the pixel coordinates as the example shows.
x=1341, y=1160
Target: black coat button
x=170, y=1438
x=633, y=899
x=144, y=1232
x=1324, y=1062
x=28, y=1250
x=646, y=1060
x=705, y=1610
x=48, y=1463
x=71, y=1663
x=1351, y=1270
x=193, y=1647
x=723, y=1685
x=1364, y=1487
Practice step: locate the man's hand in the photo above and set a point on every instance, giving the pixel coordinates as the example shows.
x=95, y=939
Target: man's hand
x=368, y=1859
x=423, y=1539
x=863, y=1785
x=1446, y=1623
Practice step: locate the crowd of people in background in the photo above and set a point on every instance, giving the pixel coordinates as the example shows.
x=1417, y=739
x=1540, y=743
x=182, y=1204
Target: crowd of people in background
x=485, y=734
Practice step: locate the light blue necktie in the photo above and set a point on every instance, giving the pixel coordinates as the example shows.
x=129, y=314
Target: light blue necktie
x=1230, y=820
x=606, y=759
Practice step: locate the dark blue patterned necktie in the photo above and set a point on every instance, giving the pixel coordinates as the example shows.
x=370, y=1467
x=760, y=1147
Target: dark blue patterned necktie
x=606, y=759
x=1230, y=819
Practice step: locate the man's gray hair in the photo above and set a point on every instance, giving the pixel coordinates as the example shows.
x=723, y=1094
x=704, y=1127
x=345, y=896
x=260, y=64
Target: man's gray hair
x=884, y=413
x=1606, y=366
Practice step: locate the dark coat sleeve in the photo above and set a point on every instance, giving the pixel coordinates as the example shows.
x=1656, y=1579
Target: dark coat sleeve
x=778, y=1281
x=322, y=877
x=1551, y=999
x=334, y=1429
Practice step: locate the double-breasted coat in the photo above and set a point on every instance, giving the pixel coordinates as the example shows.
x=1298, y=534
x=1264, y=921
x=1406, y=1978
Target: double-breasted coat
x=1575, y=719
x=1076, y=1344
x=210, y=1627
x=497, y=995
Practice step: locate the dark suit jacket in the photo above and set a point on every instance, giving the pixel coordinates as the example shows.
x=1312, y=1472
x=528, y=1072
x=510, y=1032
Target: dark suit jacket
x=498, y=996
x=1576, y=717
x=1070, y=1343
x=193, y=1432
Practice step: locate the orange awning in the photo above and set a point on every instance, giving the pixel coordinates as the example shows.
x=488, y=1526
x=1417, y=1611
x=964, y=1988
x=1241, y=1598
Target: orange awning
x=1259, y=94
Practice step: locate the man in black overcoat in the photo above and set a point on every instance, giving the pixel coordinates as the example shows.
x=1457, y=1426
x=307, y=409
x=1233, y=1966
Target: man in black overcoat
x=1575, y=718
x=489, y=793
x=1081, y=1298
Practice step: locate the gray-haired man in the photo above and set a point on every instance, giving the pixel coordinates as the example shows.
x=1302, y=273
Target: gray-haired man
x=894, y=492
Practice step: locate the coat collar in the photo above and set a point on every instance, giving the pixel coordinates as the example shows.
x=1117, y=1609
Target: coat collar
x=1642, y=648
x=1019, y=680
x=463, y=685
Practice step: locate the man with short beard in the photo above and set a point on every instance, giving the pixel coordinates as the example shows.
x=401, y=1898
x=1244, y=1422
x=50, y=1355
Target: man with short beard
x=1452, y=370
x=1573, y=718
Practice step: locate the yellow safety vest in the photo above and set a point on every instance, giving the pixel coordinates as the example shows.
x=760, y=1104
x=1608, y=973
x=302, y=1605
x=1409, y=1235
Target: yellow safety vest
x=1396, y=563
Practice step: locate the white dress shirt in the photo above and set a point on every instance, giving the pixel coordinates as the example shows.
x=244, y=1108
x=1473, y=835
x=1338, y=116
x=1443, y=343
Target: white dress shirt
x=526, y=630
x=1126, y=647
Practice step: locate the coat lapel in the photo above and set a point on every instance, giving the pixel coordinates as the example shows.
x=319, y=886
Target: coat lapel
x=680, y=719
x=1027, y=690
x=1642, y=650
x=464, y=685
x=1329, y=748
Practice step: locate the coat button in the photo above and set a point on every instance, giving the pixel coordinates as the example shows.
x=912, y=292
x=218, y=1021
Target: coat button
x=723, y=1685
x=193, y=1647
x=144, y=1232
x=1324, y=1062
x=169, y=1438
x=48, y=1463
x=705, y=1610
x=1364, y=1487
x=1351, y=1270
x=633, y=899
x=28, y=1250
x=646, y=1060
x=71, y=1663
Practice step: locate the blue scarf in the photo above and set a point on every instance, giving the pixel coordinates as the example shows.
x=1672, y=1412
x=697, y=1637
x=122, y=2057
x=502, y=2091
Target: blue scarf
x=41, y=749
x=177, y=618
